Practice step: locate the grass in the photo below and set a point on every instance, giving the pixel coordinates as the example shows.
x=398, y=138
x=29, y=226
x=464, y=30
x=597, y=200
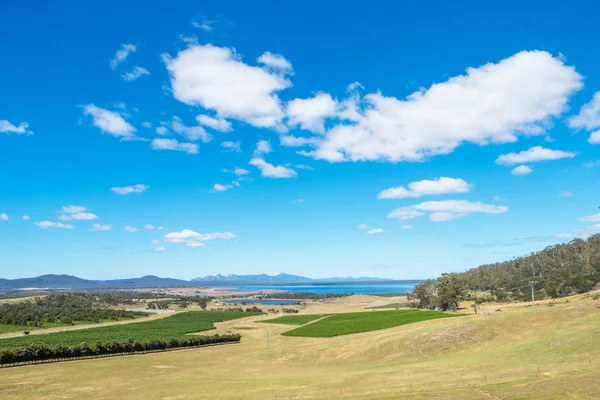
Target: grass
x=519, y=353
x=13, y=328
x=397, y=294
x=348, y=323
x=171, y=327
x=294, y=319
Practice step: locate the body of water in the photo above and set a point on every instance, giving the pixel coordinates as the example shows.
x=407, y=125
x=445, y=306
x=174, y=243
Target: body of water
x=271, y=302
x=397, y=287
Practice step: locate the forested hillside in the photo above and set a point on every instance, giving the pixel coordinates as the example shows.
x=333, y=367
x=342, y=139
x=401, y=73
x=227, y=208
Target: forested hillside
x=556, y=271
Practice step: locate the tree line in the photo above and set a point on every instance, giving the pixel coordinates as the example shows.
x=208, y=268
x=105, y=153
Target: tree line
x=557, y=271
x=38, y=353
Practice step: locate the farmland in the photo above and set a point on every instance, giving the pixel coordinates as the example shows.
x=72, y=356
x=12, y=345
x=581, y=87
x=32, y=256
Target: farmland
x=295, y=319
x=174, y=327
x=347, y=323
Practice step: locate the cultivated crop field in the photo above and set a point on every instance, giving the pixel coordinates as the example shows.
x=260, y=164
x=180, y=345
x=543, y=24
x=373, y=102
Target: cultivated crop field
x=174, y=327
x=295, y=319
x=4, y=328
x=347, y=323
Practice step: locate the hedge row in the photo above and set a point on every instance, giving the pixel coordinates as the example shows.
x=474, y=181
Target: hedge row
x=36, y=353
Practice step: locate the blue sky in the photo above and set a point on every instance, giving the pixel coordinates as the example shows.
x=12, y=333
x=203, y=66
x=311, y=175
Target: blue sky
x=396, y=140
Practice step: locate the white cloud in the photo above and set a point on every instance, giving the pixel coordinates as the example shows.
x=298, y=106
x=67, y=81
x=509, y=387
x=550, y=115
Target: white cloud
x=494, y=103
x=591, y=218
x=100, y=227
x=205, y=25
x=73, y=209
x=220, y=188
x=130, y=189
x=272, y=171
x=50, y=224
x=192, y=133
x=189, y=40
x=375, y=231
x=534, y=154
x=240, y=171
x=161, y=130
x=232, y=146
x=135, y=74
x=130, y=229
x=295, y=141
x=566, y=194
x=86, y=216
x=263, y=147
x=25, y=218
x=299, y=201
x=361, y=227
x=195, y=239
x=521, y=170
x=275, y=61
x=591, y=164
x=406, y=227
x=161, y=228
x=594, y=138
x=173, y=144
x=442, y=185
x=589, y=115
x=3, y=217
x=582, y=233
x=160, y=249
x=110, y=122
x=445, y=210
x=218, y=124
x=147, y=124
x=156, y=241
x=311, y=113
x=21, y=129
x=122, y=54
x=216, y=79
x=149, y=227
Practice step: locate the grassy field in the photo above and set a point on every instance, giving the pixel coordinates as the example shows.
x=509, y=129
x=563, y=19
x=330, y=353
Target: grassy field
x=294, y=319
x=397, y=294
x=12, y=328
x=171, y=327
x=518, y=353
x=347, y=323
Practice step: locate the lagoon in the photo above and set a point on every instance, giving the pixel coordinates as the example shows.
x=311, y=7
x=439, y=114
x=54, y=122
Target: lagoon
x=381, y=288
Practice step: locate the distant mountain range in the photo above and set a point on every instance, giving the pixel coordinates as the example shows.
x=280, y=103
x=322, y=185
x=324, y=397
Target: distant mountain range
x=151, y=281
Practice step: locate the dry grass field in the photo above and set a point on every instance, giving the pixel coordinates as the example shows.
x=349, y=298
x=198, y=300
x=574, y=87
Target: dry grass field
x=550, y=352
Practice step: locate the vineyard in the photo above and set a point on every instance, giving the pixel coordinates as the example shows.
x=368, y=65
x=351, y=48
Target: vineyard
x=295, y=319
x=347, y=323
x=170, y=332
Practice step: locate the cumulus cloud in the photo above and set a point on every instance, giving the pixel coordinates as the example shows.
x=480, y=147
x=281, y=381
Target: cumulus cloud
x=240, y=171
x=149, y=227
x=195, y=239
x=232, y=146
x=445, y=210
x=21, y=129
x=361, y=227
x=589, y=118
x=262, y=147
x=406, y=227
x=442, y=185
x=110, y=122
x=100, y=227
x=272, y=171
x=173, y=144
x=311, y=113
x=3, y=217
x=375, y=231
x=594, y=138
x=130, y=189
x=51, y=224
x=192, y=133
x=25, y=218
x=135, y=74
x=86, y=216
x=161, y=130
x=216, y=79
x=521, y=170
x=217, y=187
x=130, y=228
x=494, y=103
x=160, y=249
x=534, y=154
x=122, y=54
x=218, y=124
x=275, y=62
x=591, y=218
